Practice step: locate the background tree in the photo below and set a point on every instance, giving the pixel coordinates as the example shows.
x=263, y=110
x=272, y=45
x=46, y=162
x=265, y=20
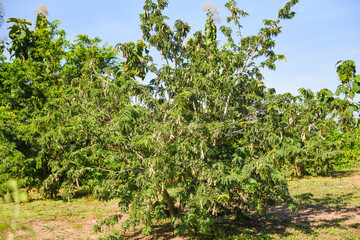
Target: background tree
x=27, y=83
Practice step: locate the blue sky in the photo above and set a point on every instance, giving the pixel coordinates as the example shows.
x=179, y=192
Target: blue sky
x=322, y=32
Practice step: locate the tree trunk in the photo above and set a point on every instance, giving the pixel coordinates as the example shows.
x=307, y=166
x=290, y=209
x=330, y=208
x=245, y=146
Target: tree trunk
x=170, y=204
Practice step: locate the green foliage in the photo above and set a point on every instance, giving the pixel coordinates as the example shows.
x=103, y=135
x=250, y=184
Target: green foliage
x=299, y=139
x=350, y=82
x=348, y=148
x=312, y=134
x=27, y=84
x=109, y=222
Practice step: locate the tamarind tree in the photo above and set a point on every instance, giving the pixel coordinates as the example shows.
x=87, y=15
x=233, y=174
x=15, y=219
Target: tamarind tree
x=187, y=155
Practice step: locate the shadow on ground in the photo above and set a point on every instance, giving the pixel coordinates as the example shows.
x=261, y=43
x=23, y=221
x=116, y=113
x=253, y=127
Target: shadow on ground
x=344, y=173
x=314, y=216
x=278, y=221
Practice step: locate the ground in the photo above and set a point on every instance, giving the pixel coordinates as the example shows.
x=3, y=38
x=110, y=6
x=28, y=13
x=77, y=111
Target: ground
x=329, y=208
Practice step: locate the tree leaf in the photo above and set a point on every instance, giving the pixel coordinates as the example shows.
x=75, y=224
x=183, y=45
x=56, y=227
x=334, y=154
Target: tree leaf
x=21, y=35
x=351, y=109
x=339, y=90
x=356, y=87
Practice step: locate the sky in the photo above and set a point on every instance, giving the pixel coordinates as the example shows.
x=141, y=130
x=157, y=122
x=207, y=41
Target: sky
x=322, y=32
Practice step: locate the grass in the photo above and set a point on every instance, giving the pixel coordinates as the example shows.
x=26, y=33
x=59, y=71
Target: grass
x=329, y=208
x=340, y=189
x=58, y=218
x=49, y=210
